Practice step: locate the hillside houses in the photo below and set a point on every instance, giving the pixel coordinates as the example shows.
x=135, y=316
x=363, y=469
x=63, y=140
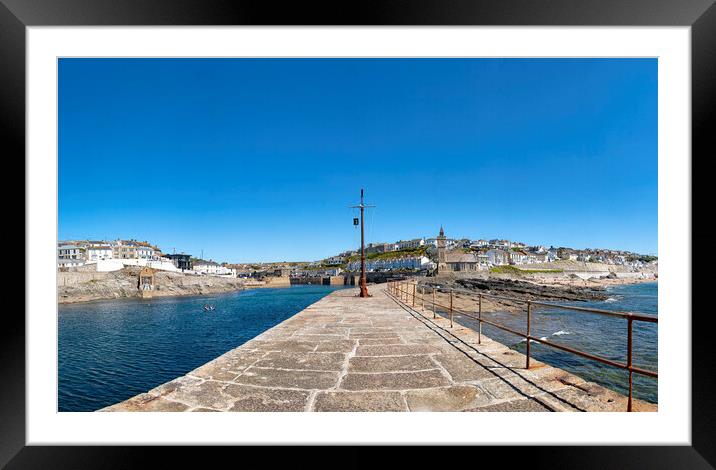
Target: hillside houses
x=394, y=264
x=99, y=252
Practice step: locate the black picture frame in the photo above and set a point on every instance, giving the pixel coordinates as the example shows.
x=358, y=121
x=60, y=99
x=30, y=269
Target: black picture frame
x=16, y=15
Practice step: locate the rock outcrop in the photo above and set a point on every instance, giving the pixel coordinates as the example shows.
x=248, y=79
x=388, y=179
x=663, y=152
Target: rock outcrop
x=124, y=284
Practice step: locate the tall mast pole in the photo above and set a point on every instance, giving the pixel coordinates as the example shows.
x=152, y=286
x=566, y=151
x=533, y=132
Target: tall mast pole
x=363, y=283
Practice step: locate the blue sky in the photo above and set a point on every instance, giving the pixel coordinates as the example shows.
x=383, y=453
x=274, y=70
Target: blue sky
x=259, y=159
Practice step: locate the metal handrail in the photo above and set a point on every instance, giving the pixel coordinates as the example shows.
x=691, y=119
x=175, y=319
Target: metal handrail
x=395, y=288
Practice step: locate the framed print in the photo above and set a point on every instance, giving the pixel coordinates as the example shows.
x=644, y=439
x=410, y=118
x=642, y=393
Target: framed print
x=250, y=225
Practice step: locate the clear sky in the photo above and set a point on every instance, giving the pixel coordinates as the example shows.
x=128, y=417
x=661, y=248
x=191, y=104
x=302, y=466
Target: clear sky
x=259, y=159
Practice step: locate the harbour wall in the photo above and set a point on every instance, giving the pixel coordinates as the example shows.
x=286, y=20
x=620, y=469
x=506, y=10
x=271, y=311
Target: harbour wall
x=320, y=280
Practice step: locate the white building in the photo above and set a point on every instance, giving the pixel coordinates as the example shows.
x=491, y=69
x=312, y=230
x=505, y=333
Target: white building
x=69, y=263
x=449, y=242
x=521, y=257
x=409, y=244
x=70, y=252
x=129, y=249
x=211, y=268
x=498, y=257
x=145, y=252
x=99, y=252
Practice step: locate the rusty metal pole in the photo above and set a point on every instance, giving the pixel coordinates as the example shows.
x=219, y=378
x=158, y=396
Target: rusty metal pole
x=414, y=288
x=479, y=319
x=529, y=317
x=435, y=308
x=629, y=359
x=450, y=308
x=362, y=283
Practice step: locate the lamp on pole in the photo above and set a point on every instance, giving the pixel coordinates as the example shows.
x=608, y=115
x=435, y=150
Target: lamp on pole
x=362, y=282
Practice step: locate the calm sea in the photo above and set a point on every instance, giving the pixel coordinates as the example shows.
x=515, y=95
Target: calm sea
x=109, y=351
x=597, y=334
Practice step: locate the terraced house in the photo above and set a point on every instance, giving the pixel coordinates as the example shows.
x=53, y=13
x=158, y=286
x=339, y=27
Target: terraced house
x=131, y=250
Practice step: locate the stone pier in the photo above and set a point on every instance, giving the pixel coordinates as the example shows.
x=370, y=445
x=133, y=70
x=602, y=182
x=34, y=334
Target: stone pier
x=349, y=354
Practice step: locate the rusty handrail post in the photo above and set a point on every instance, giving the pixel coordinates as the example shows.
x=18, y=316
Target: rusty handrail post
x=529, y=317
x=450, y=308
x=414, y=289
x=435, y=315
x=479, y=319
x=630, y=321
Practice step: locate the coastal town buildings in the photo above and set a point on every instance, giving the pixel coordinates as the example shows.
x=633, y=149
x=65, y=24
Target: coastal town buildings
x=123, y=249
x=69, y=263
x=212, y=268
x=380, y=247
x=99, y=252
x=457, y=260
x=181, y=261
x=433, y=255
x=409, y=244
x=449, y=242
x=70, y=252
x=394, y=264
x=498, y=257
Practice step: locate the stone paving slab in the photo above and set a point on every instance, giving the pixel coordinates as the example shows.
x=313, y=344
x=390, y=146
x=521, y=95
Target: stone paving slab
x=344, y=353
x=307, y=361
x=359, y=401
x=390, y=363
x=395, y=380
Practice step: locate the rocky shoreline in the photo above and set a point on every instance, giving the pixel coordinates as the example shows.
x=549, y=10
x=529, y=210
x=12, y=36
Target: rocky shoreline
x=122, y=284
x=519, y=291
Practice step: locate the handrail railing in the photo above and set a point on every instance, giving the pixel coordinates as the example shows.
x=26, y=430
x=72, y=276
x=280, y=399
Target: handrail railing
x=399, y=289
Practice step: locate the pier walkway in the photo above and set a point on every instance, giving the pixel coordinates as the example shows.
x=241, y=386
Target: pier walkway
x=348, y=354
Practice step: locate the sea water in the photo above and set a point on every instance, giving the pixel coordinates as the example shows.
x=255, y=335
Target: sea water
x=601, y=335
x=109, y=351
